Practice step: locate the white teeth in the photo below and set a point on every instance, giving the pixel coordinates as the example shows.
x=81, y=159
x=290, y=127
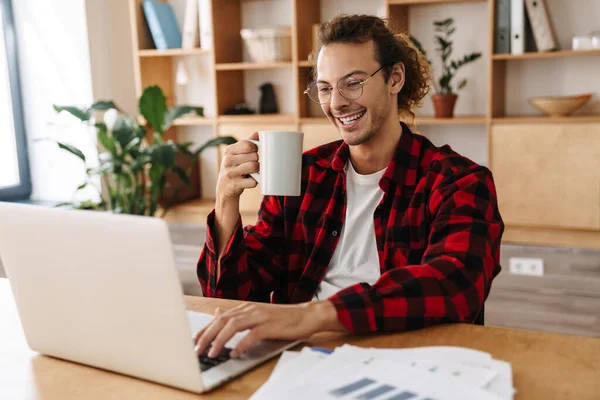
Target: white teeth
x=351, y=119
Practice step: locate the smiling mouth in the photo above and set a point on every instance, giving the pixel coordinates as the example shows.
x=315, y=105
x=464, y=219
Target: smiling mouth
x=350, y=120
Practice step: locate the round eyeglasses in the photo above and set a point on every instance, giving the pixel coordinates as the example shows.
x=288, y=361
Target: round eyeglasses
x=349, y=87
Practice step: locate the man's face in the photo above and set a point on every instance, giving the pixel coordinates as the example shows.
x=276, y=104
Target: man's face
x=360, y=119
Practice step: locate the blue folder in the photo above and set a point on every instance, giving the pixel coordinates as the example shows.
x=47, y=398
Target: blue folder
x=163, y=25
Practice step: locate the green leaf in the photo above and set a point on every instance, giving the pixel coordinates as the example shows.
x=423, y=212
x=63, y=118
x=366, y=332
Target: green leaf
x=461, y=84
x=106, y=141
x=215, y=142
x=135, y=142
x=83, y=114
x=72, y=150
x=123, y=132
x=153, y=106
x=155, y=173
x=175, y=112
x=183, y=175
x=164, y=155
x=104, y=105
x=65, y=203
x=82, y=186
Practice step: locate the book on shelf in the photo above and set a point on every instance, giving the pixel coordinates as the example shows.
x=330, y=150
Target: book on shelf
x=517, y=27
x=162, y=24
x=205, y=23
x=190, y=32
x=502, y=27
x=543, y=33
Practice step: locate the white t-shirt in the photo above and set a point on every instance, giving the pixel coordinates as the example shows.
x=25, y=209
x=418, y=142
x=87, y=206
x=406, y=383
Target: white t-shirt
x=355, y=258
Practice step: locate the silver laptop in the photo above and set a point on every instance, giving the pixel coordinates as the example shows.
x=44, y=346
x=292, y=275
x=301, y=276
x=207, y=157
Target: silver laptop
x=103, y=290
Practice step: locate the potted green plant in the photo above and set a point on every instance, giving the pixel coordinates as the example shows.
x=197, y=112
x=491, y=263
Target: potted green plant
x=445, y=96
x=136, y=159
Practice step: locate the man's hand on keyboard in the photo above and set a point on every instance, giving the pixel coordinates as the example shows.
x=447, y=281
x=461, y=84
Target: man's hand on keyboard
x=266, y=321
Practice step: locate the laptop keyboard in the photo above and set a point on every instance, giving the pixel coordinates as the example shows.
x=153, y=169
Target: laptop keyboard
x=207, y=362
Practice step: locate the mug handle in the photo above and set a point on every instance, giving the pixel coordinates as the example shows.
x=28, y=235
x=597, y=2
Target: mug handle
x=255, y=175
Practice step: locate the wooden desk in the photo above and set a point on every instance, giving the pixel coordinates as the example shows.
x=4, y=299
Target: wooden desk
x=545, y=366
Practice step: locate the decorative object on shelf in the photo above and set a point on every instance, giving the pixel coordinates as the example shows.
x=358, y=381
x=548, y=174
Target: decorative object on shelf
x=181, y=76
x=138, y=167
x=445, y=97
x=560, y=106
x=268, y=44
x=162, y=24
x=592, y=41
x=240, y=109
x=595, y=39
x=268, y=100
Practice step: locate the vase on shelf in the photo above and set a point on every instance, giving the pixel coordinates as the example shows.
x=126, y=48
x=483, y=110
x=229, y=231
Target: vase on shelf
x=443, y=105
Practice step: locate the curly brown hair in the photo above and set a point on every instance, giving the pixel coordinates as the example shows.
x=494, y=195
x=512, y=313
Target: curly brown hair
x=390, y=49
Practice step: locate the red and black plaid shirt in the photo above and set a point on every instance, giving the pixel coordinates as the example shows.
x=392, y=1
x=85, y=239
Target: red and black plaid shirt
x=438, y=232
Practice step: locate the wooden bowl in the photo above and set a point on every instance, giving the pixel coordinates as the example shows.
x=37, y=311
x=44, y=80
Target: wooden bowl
x=559, y=106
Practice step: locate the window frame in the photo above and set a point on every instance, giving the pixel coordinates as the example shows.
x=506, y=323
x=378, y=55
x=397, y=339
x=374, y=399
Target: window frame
x=23, y=189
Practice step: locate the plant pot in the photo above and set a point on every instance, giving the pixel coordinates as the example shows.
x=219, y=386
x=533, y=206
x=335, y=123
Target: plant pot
x=444, y=105
x=173, y=182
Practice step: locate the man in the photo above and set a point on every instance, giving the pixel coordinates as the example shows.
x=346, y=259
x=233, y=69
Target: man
x=390, y=233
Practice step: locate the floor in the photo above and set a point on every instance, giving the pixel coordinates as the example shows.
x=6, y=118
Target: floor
x=565, y=300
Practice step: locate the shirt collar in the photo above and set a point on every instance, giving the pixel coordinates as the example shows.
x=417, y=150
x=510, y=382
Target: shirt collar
x=403, y=167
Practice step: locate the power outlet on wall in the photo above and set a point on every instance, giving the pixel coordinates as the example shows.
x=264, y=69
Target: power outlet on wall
x=526, y=266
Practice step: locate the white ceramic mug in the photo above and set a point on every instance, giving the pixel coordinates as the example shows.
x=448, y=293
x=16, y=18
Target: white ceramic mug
x=280, y=155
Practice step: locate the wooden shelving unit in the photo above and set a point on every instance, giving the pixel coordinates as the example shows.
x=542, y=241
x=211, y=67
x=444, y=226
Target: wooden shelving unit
x=420, y=2
x=249, y=65
x=536, y=119
x=194, y=121
x=506, y=134
x=172, y=52
x=550, y=54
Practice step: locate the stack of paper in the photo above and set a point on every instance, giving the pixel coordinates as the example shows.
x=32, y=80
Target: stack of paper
x=423, y=373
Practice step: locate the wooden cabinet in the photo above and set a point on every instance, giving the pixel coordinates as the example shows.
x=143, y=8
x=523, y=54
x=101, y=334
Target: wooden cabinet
x=548, y=175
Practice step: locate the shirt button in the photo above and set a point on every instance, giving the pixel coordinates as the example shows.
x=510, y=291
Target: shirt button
x=334, y=233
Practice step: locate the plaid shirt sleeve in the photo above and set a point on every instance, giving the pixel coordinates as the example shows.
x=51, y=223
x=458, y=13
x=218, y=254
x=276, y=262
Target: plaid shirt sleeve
x=251, y=264
x=456, y=270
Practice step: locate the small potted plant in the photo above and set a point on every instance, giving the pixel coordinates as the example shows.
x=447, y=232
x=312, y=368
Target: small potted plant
x=142, y=172
x=445, y=96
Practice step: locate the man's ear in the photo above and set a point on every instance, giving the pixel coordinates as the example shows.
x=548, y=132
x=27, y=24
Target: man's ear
x=397, y=78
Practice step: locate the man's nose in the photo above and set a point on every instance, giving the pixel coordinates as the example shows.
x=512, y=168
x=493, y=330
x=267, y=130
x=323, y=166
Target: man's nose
x=337, y=100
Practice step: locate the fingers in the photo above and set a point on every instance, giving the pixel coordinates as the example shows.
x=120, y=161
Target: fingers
x=201, y=331
x=234, y=160
x=202, y=345
x=234, y=325
x=253, y=136
x=241, y=147
x=248, y=341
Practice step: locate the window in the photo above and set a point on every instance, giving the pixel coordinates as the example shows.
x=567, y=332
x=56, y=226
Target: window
x=14, y=169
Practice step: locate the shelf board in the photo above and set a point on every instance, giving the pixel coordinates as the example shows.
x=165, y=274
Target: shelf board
x=550, y=54
x=258, y=118
x=306, y=64
x=194, y=121
x=417, y=2
x=457, y=120
x=172, y=52
x=251, y=65
x=541, y=119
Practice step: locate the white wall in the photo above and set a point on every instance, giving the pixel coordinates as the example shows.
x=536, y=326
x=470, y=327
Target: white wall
x=111, y=52
x=55, y=69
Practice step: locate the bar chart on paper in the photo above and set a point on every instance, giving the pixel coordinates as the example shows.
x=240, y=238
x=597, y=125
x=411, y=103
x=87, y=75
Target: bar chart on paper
x=367, y=389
